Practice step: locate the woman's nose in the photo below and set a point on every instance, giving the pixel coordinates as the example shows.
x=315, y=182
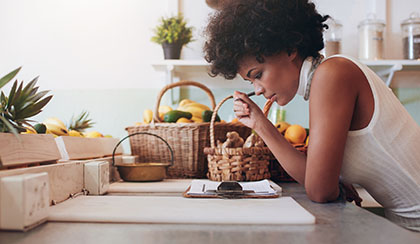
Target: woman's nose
x=258, y=89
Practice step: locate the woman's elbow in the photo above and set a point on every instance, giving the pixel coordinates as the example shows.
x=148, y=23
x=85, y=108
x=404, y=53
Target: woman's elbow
x=322, y=196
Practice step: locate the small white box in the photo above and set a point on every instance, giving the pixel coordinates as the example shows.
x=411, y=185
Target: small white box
x=97, y=177
x=24, y=201
x=129, y=159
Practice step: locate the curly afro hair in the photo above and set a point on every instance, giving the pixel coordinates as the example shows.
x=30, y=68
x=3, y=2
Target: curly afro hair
x=261, y=28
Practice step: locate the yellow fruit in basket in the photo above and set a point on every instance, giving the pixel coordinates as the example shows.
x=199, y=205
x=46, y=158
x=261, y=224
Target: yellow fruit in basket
x=147, y=116
x=185, y=101
x=93, y=134
x=295, y=134
x=29, y=131
x=197, y=120
x=235, y=120
x=75, y=133
x=307, y=141
x=184, y=120
x=163, y=110
x=197, y=105
x=282, y=126
x=195, y=111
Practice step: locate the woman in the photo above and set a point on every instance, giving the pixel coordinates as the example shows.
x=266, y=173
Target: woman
x=360, y=132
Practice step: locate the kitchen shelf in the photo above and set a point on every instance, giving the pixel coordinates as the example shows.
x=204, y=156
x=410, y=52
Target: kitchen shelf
x=387, y=67
x=384, y=68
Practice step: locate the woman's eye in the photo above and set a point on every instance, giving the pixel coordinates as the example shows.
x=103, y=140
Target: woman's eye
x=258, y=76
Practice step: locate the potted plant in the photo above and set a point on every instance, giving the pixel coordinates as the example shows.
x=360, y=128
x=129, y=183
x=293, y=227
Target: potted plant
x=172, y=33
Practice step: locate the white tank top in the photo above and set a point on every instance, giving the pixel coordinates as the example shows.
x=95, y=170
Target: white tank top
x=384, y=157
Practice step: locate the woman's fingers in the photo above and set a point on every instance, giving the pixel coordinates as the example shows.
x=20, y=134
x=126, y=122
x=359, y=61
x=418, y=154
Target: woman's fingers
x=240, y=107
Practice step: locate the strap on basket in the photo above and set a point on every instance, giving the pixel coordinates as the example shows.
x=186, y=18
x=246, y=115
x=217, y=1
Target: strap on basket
x=181, y=83
x=266, y=109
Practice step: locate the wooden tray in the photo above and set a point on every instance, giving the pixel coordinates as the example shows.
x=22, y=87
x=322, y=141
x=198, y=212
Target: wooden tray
x=27, y=149
x=72, y=148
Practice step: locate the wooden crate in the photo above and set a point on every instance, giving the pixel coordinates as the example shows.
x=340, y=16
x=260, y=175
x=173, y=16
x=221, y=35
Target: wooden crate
x=73, y=148
x=27, y=150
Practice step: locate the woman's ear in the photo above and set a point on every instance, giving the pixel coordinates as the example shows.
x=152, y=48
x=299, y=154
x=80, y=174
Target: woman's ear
x=292, y=55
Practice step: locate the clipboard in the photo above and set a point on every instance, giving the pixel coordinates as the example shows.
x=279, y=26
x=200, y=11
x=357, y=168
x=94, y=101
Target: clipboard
x=230, y=190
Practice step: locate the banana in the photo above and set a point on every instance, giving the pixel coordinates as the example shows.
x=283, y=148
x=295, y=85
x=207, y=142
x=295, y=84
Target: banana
x=56, y=130
x=197, y=120
x=195, y=111
x=75, y=133
x=56, y=127
x=55, y=121
x=198, y=105
x=147, y=116
x=185, y=101
x=29, y=130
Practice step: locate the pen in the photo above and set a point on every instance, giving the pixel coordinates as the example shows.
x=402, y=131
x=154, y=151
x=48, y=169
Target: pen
x=249, y=95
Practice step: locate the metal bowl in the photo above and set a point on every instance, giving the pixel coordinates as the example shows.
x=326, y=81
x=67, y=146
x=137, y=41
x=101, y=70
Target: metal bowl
x=143, y=171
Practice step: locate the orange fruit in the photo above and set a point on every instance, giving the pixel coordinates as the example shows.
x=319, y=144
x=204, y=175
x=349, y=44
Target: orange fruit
x=307, y=141
x=295, y=134
x=282, y=126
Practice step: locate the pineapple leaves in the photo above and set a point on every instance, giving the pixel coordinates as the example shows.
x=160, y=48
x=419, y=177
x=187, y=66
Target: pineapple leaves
x=81, y=122
x=6, y=126
x=33, y=108
x=5, y=79
x=22, y=103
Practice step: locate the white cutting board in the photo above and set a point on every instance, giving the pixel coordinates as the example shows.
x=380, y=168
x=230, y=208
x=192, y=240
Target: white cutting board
x=166, y=186
x=152, y=209
x=169, y=186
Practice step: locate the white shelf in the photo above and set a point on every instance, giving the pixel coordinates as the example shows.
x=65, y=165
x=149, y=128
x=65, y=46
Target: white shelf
x=384, y=68
x=180, y=62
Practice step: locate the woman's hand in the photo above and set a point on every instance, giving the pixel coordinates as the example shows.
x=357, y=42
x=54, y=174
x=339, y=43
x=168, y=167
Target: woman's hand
x=246, y=110
x=351, y=194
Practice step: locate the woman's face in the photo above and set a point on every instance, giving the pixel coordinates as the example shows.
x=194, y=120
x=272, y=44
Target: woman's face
x=277, y=78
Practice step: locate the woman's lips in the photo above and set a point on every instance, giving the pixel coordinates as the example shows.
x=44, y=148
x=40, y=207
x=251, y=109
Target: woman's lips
x=273, y=98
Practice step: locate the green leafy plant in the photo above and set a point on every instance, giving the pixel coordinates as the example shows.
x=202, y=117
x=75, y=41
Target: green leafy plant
x=172, y=30
x=81, y=122
x=22, y=103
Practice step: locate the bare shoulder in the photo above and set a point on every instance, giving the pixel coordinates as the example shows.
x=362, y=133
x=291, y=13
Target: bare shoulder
x=337, y=74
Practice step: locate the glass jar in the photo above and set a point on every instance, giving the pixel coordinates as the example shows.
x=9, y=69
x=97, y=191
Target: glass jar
x=332, y=37
x=371, y=38
x=411, y=36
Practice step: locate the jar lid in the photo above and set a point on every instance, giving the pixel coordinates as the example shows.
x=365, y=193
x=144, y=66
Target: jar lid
x=372, y=20
x=414, y=19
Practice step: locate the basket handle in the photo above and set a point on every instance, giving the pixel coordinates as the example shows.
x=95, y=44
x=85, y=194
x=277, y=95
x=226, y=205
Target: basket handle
x=142, y=133
x=266, y=108
x=181, y=83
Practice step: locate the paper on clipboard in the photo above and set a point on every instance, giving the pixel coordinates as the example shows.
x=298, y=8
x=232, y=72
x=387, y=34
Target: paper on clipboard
x=207, y=187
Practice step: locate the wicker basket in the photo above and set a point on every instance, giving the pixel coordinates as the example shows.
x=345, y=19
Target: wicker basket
x=186, y=139
x=237, y=164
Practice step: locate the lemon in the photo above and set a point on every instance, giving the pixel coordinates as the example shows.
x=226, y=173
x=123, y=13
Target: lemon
x=93, y=134
x=282, y=126
x=295, y=134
